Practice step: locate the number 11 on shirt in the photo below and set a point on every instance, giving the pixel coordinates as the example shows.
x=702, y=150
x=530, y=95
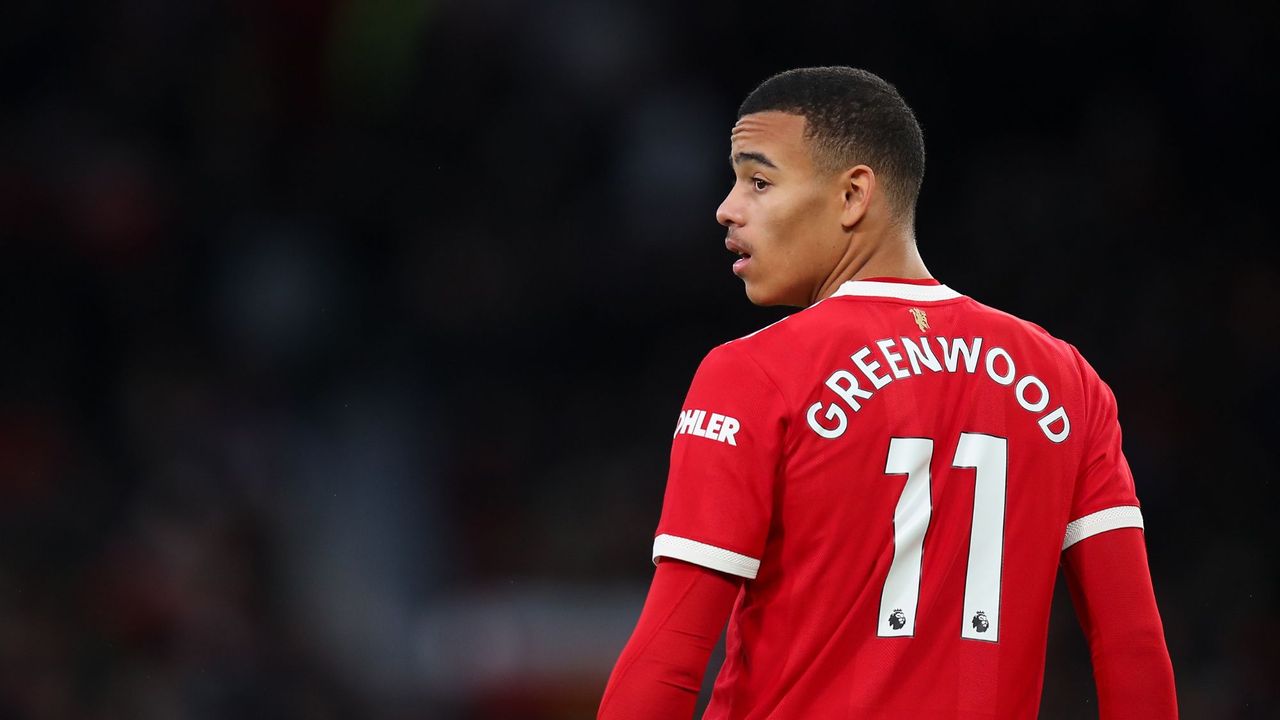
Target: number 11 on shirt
x=987, y=456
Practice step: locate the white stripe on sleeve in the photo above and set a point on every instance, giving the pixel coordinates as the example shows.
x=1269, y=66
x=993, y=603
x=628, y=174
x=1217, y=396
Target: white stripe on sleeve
x=1113, y=518
x=708, y=556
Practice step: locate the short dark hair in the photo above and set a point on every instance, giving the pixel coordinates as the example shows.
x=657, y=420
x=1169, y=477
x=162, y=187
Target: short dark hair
x=851, y=117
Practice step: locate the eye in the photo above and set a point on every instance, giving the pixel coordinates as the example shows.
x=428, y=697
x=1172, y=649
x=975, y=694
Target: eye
x=760, y=183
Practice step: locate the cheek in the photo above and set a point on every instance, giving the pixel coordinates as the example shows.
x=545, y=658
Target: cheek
x=783, y=217
x=797, y=230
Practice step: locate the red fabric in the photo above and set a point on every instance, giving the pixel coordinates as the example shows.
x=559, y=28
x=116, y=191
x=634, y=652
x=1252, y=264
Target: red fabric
x=660, y=670
x=1111, y=589
x=1105, y=479
x=1009, y=435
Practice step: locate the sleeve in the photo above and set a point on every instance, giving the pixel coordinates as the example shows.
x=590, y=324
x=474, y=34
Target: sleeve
x=659, y=673
x=1111, y=589
x=1105, y=498
x=725, y=458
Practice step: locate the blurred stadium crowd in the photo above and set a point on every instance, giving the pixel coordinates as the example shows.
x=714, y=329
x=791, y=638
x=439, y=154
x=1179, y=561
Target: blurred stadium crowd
x=343, y=339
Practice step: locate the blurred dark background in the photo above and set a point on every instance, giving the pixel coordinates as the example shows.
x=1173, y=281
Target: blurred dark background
x=343, y=340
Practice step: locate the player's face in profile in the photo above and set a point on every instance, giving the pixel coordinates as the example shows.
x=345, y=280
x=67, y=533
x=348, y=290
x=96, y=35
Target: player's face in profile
x=783, y=213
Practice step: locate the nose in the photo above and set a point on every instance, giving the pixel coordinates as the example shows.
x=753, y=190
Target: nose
x=730, y=212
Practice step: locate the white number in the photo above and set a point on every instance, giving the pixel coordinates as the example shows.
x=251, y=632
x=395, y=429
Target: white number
x=987, y=456
x=910, y=521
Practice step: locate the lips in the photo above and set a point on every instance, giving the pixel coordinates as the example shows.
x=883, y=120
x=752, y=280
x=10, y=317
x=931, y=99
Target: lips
x=744, y=254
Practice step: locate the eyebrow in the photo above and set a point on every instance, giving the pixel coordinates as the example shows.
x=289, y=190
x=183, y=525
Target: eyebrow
x=752, y=157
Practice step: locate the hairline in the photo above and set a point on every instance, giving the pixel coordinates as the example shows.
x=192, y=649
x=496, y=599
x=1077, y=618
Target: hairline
x=825, y=160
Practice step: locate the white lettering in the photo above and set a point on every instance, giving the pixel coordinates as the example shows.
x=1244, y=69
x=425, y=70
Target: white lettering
x=850, y=392
x=991, y=365
x=1020, y=392
x=950, y=358
x=869, y=368
x=1052, y=417
x=833, y=412
x=718, y=427
x=892, y=358
x=729, y=429
x=917, y=354
x=686, y=422
x=713, y=425
x=956, y=353
x=697, y=425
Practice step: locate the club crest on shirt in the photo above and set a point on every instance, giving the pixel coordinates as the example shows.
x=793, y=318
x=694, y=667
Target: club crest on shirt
x=980, y=622
x=897, y=619
x=922, y=320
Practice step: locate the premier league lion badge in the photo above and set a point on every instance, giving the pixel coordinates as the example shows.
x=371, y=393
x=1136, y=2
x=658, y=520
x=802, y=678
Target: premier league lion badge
x=980, y=622
x=897, y=619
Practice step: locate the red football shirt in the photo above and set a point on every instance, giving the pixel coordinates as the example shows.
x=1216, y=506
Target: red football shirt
x=896, y=471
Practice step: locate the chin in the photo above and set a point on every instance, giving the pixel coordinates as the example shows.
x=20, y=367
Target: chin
x=765, y=297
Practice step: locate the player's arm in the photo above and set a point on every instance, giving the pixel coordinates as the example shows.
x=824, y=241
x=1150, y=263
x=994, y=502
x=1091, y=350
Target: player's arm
x=1111, y=589
x=1105, y=560
x=660, y=670
x=716, y=514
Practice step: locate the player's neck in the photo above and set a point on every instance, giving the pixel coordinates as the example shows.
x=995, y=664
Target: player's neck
x=893, y=254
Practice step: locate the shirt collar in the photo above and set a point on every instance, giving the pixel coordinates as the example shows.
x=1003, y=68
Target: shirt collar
x=916, y=290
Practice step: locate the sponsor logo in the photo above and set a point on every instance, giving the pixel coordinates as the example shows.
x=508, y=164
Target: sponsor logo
x=712, y=426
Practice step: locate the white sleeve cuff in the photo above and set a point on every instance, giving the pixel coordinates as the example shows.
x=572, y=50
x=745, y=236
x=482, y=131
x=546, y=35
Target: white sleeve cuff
x=1110, y=519
x=708, y=556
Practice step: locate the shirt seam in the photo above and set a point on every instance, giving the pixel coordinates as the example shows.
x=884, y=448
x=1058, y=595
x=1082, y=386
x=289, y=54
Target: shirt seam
x=786, y=404
x=1086, y=447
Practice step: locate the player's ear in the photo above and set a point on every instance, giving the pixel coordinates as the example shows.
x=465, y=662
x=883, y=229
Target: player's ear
x=858, y=185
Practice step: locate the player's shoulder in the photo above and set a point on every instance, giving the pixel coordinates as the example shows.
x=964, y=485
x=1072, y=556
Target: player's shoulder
x=1062, y=351
x=758, y=352
x=747, y=349
x=1020, y=324
x=778, y=336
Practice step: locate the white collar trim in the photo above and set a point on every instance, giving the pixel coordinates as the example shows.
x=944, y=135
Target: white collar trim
x=901, y=291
